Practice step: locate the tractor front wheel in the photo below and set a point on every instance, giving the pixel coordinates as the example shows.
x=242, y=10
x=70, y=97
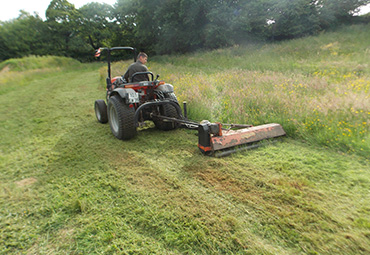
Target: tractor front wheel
x=101, y=111
x=121, y=118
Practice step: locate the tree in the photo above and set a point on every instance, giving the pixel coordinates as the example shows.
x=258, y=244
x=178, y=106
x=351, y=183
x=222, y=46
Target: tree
x=96, y=24
x=224, y=23
x=335, y=12
x=22, y=36
x=182, y=25
x=139, y=24
x=292, y=19
x=167, y=26
x=62, y=19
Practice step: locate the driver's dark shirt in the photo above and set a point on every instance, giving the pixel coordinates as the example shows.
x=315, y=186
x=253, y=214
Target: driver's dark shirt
x=134, y=68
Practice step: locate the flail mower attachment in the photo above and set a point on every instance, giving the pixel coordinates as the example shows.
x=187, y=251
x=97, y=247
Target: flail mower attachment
x=213, y=139
x=216, y=140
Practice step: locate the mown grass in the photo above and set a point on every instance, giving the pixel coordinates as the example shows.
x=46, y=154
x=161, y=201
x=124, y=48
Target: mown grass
x=67, y=186
x=19, y=72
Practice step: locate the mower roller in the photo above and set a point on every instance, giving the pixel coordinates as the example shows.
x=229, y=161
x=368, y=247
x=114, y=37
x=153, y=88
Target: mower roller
x=129, y=104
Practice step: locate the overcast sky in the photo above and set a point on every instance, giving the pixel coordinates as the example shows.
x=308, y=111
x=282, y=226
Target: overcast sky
x=10, y=8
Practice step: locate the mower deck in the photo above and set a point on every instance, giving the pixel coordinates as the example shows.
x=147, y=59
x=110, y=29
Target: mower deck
x=232, y=138
x=214, y=139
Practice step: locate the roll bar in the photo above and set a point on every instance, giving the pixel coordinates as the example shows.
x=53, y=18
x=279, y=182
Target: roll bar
x=109, y=50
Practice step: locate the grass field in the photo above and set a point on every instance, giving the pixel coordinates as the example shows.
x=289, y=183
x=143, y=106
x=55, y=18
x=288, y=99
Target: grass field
x=67, y=186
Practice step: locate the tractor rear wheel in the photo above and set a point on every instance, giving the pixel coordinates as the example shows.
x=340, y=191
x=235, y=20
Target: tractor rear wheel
x=121, y=118
x=101, y=111
x=168, y=111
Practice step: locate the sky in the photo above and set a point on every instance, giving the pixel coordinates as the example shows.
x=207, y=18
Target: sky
x=10, y=8
x=365, y=9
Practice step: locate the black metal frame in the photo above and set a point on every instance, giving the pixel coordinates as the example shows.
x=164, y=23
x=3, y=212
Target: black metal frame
x=109, y=50
x=156, y=103
x=138, y=73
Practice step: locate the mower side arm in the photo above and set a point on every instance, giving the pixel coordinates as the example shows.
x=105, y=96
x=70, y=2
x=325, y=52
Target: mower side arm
x=156, y=103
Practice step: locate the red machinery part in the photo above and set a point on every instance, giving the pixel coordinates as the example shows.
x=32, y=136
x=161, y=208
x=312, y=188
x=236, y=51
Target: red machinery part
x=231, y=138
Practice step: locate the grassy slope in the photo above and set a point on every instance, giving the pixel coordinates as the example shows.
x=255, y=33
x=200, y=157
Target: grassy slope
x=68, y=186
x=318, y=88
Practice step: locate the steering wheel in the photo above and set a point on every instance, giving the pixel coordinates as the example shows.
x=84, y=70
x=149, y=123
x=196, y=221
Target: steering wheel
x=138, y=73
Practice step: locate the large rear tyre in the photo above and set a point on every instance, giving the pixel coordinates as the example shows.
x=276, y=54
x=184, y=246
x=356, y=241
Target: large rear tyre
x=121, y=119
x=168, y=111
x=101, y=111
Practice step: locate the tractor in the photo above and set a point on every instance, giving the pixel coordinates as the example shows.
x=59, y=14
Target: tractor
x=129, y=104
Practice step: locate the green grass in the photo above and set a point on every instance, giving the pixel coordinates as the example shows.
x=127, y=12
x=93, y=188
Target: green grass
x=19, y=72
x=318, y=88
x=37, y=62
x=67, y=186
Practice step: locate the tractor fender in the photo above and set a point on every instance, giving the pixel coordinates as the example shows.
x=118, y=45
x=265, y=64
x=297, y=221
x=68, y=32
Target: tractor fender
x=129, y=95
x=165, y=88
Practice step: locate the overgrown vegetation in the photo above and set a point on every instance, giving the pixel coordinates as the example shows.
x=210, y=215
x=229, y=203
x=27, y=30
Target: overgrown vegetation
x=318, y=88
x=68, y=186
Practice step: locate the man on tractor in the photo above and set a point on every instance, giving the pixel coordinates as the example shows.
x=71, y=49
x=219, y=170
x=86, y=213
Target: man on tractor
x=138, y=66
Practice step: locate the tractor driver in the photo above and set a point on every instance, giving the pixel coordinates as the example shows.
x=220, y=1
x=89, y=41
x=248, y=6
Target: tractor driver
x=138, y=66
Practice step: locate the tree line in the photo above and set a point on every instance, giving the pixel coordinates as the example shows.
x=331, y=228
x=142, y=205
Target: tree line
x=168, y=26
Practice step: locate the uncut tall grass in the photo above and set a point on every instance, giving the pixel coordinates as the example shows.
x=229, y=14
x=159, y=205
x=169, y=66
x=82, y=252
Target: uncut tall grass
x=318, y=88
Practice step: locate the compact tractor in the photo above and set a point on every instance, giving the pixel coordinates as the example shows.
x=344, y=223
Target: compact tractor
x=130, y=104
